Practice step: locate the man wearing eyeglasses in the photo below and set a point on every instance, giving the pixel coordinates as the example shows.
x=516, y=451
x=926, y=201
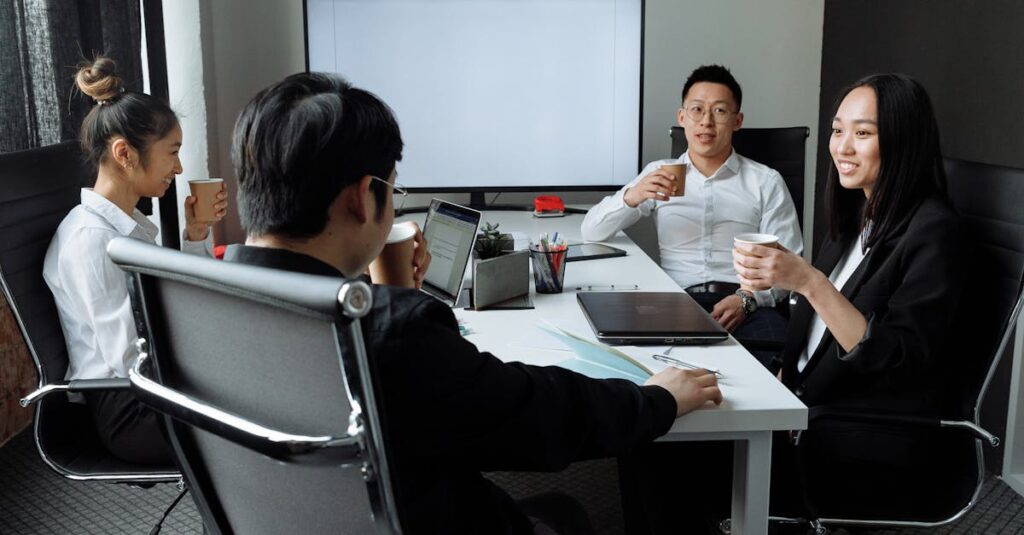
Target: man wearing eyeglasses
x=318, y=198
x=725, y=194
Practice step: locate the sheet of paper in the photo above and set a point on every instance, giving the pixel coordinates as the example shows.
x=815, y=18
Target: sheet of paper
x=597, y=360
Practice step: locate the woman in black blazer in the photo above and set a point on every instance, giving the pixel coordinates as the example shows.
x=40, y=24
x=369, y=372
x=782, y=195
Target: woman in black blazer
x=872, y=329
x=873, y=324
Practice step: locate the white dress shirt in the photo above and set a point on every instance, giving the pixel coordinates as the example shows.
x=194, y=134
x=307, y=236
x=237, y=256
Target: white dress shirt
x=696, y=231
x=840, y=274
x=91, y=292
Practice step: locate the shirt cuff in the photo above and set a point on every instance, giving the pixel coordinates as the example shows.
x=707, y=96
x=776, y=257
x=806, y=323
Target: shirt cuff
x=200, y=248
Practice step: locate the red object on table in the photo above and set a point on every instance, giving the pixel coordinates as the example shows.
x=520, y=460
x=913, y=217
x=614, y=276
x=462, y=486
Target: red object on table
x=548, y=204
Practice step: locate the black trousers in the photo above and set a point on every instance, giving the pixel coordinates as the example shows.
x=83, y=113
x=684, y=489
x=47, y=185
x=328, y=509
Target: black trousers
x=130, y=430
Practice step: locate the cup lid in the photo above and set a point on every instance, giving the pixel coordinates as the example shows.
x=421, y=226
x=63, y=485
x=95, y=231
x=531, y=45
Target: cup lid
x=756, y=238
x=401, y=232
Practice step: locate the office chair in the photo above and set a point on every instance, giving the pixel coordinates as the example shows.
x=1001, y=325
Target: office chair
x=38, y=187
x=266, y=389
x=987, y=198
x=782, y=149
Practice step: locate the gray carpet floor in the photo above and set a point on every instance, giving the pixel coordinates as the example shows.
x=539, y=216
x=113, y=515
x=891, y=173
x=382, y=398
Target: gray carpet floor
x=35, y=500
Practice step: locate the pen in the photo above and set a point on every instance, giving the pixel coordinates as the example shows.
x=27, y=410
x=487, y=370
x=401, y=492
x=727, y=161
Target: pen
x=599, y=288
x=680, y=364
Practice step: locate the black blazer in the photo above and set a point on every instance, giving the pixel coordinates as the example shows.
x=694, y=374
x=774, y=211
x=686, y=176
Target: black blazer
x=451, y=411
x=908, y=287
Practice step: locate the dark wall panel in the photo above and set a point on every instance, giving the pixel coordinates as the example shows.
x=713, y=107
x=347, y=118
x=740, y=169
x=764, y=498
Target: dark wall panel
x=970, y=57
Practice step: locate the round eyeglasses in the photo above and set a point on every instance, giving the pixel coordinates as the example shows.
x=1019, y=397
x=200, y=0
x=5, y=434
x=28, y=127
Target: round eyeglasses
x=719, y=114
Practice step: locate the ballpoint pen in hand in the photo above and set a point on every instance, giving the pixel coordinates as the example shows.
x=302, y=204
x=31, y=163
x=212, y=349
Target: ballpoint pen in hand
x=680, y=364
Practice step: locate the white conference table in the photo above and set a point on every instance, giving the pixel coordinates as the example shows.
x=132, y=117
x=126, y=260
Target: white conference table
x=756, y=403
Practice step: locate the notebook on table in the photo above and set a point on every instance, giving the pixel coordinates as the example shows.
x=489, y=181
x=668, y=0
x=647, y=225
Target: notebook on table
x=450, y=231
x=649, y=318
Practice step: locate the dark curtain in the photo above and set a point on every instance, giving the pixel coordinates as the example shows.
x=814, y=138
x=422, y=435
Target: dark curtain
x=41, y=43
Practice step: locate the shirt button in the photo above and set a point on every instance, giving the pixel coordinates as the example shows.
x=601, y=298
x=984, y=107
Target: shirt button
x=799, y=391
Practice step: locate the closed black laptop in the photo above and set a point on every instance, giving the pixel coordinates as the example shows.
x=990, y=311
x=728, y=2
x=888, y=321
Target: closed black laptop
x=649, y=318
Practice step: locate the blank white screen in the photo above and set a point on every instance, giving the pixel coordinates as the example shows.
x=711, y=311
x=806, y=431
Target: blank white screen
x=495, y=93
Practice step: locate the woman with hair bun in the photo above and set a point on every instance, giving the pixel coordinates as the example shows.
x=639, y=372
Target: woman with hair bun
x=131, y=141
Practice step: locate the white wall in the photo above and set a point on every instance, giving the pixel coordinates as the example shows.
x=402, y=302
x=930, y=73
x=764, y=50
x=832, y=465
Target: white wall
x=773, y=48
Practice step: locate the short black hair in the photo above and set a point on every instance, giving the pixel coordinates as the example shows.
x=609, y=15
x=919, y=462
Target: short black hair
x=715, y=74
x=298, y=143
x=911, y=167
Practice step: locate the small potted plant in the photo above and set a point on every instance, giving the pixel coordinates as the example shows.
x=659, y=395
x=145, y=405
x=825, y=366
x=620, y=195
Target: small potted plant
x=489, y=243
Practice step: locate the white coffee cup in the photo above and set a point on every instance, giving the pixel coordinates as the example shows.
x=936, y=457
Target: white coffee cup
x=753, y=238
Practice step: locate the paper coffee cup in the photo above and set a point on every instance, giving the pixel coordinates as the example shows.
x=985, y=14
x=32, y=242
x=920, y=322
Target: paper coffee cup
x=678, y=170
x=767, y=240
x=205, y=191
x=394, y=265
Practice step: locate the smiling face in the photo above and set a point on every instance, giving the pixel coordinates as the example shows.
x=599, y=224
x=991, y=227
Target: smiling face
x=854, y=142
x=158, y=166
x=709, y=134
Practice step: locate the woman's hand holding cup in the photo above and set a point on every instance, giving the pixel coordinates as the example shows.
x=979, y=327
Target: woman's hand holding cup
x=207, y=205
x=763, y=263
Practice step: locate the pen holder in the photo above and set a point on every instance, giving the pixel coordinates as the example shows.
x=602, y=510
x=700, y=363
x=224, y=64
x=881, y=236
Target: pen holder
x=548, y=270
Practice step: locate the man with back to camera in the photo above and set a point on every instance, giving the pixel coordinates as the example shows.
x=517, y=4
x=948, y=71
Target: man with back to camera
x=725, y=195
x=316, y=197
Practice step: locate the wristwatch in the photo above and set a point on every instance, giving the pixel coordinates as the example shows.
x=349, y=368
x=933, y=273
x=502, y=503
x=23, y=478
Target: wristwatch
x=749, y=303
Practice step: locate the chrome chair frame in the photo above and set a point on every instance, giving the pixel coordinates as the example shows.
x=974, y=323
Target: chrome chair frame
x=362, y=443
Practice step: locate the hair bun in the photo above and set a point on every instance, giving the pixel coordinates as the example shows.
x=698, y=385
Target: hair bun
x=97, y=79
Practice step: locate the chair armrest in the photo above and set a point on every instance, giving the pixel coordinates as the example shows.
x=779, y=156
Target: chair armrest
x=77, y=385
x=269, y=442
x=816, y=414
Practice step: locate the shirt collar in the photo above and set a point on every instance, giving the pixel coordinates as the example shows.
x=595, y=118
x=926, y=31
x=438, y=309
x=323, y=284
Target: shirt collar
x=123, y=223
x=279, y=259
x=732, y=163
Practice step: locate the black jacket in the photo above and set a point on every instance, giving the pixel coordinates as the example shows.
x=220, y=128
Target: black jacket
x=451, y=412
x=908, y=287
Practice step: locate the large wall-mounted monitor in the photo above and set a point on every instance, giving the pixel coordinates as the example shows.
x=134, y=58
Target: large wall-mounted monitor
x=495, y=95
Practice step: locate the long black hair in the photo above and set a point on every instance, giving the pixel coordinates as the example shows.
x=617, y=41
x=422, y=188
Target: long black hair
x=911, y=167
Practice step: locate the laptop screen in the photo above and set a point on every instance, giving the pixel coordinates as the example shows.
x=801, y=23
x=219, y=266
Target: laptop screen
x=450, y=231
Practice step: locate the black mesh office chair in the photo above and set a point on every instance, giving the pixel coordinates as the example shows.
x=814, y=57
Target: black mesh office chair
x=240, y=352
x=988, y=200
x=38, y=187
x=782, y=149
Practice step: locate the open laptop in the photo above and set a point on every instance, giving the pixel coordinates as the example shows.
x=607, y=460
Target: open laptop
x=450, y=231
x=649, y=318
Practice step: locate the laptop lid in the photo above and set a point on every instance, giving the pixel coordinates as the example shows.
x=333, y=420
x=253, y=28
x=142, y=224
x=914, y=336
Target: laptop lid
x=450, y=231
x=651, y=318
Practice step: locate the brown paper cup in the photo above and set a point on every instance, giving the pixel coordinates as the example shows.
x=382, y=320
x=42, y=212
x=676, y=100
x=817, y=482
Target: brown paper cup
x=394, y=265
x=677, y=170
x=205, y=191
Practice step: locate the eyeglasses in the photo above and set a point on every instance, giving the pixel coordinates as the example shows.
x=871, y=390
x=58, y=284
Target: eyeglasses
x=719, y=114
x=398, y=190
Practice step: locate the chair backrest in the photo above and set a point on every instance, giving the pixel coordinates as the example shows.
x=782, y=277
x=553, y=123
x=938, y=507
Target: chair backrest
x=276, y=349
x=987, y=197
x=782, y=149
x=38, y=187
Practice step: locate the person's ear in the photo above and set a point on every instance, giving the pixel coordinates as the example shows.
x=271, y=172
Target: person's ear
x=358, y=199
x=739, y=121
x=680, y=115
x=124, y=154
